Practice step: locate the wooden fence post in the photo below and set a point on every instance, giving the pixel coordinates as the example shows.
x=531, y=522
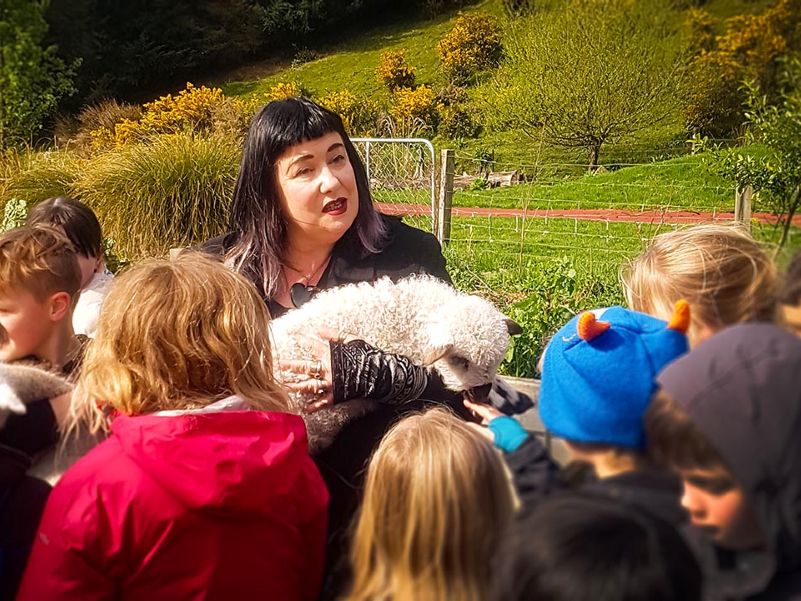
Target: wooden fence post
x=443, y=216
x=742, y=205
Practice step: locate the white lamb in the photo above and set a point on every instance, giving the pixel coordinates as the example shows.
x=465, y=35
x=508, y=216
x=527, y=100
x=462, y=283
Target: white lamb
x=462, y=337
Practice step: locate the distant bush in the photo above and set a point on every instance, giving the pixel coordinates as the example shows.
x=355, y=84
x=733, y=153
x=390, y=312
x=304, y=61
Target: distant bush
x=457, y=119
x=714, y=98
x=393, y=71
x=415, y=105
x=359, y=114
x=100, y=120
x=303, y=56
x=283, y=90
x=173, y=191
x=471, y=46
x=750, y=49
x=198, y=110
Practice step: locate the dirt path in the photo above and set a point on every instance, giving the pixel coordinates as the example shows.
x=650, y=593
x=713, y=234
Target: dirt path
x=613, y=215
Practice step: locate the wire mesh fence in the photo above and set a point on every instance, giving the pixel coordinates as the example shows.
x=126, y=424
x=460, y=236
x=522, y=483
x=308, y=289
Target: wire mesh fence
x=402, y=176
x=544, y=241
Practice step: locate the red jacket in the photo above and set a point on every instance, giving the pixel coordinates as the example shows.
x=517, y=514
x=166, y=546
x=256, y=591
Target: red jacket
x=200, y=506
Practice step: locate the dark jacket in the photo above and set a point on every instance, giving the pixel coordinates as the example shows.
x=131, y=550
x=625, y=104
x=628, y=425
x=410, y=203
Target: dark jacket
x=536, y=476
x=742, y=389
x=22, y=438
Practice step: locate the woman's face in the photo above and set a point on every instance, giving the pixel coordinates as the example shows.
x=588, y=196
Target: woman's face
x=317, y=189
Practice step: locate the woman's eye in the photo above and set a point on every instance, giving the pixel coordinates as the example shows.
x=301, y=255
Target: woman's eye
x=339, y=158
x=303, y=171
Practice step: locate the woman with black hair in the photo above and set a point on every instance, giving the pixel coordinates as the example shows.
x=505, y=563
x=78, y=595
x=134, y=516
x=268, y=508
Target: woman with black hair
x=303, y=219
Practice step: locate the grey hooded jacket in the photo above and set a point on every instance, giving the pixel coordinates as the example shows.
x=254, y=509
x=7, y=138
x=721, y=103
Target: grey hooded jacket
x=742, y=389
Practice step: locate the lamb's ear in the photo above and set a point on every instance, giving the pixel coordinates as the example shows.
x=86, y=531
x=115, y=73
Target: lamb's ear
x=512, y=326
x=435, y=353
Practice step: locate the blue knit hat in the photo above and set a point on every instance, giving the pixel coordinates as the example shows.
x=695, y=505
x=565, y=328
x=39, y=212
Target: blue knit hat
x=599, y=373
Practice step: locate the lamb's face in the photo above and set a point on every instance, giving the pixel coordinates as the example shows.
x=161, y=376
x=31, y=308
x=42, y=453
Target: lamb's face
x=468, y=340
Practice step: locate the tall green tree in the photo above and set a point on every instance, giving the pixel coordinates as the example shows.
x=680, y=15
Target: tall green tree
x=592, y=72
x=32, y=77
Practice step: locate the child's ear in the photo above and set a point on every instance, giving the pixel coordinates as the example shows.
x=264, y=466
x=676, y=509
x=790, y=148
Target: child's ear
x=59, y=306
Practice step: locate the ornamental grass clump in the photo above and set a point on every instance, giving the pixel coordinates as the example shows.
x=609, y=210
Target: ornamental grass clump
x=33, y=175
x=173, y=191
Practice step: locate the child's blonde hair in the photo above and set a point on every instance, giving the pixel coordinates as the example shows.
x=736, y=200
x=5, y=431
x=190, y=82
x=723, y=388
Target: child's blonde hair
x=436, y=500
x=177, y=335
x=720, y=270
x=40, y=260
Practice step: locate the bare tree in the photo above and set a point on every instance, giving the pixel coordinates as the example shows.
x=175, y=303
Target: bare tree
x=592, y=72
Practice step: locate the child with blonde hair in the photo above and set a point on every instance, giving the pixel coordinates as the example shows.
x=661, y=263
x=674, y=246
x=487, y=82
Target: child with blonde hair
x=204, y=488
x=436, y=500
x=722, y=272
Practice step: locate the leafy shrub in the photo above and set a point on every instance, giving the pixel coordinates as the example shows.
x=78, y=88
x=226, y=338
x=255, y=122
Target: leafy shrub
x=471, y=46
x=714, y=98
x=32, y=76
x=393, y=71
x=191, y=110
x=173, y=191
x=457, y=122
x=457, y=119
x=359, y=114
x=701, y=30
x=417, y=104
x=751, y=48
x=14, y=213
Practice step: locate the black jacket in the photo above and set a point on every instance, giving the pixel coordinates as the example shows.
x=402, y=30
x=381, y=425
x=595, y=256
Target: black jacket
x=536, y=476
x=742, y=389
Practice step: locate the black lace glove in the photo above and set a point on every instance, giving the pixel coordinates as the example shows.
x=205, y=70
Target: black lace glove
x=361, y=371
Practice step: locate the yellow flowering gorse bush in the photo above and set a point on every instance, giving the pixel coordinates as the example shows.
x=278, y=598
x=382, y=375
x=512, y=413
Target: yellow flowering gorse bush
x=359, y=115
x=419, y=104
x=193, y=109
x=473, y=45
x=283, y=90
x=393, y=71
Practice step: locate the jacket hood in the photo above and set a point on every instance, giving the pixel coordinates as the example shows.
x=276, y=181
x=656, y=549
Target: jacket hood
x=237, y=462
x=742, y=389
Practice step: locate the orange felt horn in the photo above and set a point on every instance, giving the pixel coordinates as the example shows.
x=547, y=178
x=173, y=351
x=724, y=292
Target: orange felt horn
x=680, y=320
x=589, y=327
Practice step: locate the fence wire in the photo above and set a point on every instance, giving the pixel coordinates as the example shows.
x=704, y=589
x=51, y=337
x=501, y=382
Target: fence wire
x=544, y=241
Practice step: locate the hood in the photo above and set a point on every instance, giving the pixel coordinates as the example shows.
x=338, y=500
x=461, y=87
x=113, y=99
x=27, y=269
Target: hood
x=239, y=462
x=742, y=389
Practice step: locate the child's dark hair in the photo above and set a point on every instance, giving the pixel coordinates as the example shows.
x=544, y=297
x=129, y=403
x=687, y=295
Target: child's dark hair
x=579, y=547
x=78, y=221
x=791, y=288
x=674, y=441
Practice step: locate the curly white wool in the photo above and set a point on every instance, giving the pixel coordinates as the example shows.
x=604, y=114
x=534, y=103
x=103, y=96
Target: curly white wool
x=462, y=337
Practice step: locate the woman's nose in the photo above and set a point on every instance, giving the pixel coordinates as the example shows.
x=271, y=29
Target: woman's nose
x=328, y=180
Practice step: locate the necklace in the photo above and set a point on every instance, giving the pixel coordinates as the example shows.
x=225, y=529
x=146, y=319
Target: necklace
x=301, y=292
x=306, y=278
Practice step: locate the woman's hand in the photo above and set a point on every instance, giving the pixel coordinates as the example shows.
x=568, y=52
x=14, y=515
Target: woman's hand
x=317, y=377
